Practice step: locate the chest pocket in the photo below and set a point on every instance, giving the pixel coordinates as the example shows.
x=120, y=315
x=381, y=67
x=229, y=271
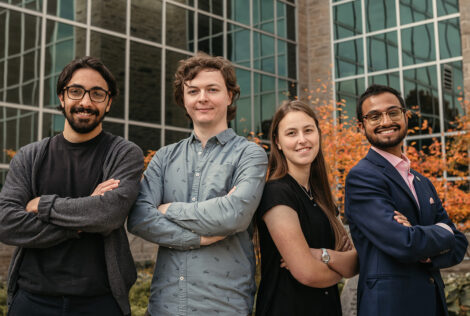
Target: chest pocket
x=217, y=181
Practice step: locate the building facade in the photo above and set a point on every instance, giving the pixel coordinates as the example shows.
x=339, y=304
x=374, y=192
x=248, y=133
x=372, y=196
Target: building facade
x=280, y=48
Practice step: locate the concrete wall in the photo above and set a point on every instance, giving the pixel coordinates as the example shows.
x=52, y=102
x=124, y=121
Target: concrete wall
x=314, y=38
x=465, y=31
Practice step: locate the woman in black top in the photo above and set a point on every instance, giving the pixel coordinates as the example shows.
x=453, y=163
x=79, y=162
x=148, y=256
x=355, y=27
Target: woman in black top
x=296, y=219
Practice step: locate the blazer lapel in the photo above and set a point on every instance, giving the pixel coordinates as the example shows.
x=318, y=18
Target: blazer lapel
x=424, y=199
x=394, y=175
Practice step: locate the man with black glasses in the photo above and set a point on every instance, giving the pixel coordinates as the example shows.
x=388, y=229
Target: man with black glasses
x=64, y=203
x=401, y=231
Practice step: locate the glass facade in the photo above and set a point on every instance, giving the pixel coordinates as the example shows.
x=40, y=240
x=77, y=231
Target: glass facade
x=141, y=41
x=413, y=46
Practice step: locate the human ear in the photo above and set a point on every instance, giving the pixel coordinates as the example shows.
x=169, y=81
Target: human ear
x=108, y=107
x=61, y=99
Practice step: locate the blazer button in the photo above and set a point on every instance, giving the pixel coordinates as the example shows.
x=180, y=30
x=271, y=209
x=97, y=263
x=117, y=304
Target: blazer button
x=431, y=280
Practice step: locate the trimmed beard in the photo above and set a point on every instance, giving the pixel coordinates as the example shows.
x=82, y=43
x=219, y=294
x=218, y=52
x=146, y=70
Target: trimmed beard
x=388, y=144
x=83, y=126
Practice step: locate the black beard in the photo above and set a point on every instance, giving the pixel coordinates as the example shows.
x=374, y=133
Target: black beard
x=388, y=144
x=83, y=128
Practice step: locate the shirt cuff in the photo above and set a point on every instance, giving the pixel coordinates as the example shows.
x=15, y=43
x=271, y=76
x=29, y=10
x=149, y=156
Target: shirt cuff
x=176, y=211
x=44, y=207
x=445, y=226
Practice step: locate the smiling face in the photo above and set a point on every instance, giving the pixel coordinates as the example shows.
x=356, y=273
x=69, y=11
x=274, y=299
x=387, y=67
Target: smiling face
x=206, y=99
x=388, y=135
x=84, y=117
x=298, y=139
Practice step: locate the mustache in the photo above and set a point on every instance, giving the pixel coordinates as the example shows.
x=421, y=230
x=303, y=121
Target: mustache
x=78, y=109
x=378, y=128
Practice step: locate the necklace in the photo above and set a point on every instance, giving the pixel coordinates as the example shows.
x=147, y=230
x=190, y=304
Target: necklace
x=308, y=193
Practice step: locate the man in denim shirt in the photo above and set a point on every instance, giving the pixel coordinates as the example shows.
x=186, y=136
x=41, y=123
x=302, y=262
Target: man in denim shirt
x=197, y=199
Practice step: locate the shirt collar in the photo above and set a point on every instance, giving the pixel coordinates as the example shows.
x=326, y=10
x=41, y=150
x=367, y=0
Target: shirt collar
x=223, y=137
x=394, y=160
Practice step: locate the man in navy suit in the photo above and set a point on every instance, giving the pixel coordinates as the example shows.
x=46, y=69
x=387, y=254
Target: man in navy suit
x=400, y=229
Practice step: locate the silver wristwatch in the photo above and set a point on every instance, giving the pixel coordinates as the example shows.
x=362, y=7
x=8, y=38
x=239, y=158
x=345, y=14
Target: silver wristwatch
x=325, y=257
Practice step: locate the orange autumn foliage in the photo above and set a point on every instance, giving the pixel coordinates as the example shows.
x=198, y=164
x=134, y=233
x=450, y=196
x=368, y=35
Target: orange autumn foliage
x=343, y=146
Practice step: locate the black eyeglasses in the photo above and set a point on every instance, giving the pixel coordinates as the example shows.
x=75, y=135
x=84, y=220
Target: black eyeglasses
x=77, y=93
x=375, y=117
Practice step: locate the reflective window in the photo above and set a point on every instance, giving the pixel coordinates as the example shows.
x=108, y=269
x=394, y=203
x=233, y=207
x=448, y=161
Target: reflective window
x=291, y=61
x=390, y=80
x=111, y=50
x=20, y=41
x=445, y=7
x=349, y=58
x=53, y=124
x=380, y=14
x=347, y=19
x=282, y=58
x=109, y=14
x=145, y=137
x=174, y=114
x=64, y=43
x=27, y=4
x=146, y=19
x=382, y=51
x=145, y=83
x=212, y=6
x=347, y=94
x=263, y=15
x=421, y=95
x=452, y=94
x=179, y=27
x=418, y=44
x=290, y=20
x=449, y=38
x=239, y=10
x=414, y=11
x=238, y=41
x=242, y=122
x=175, y=136
x=265, y=103
x=263, y=49
x=113, y=128
x=210, y=35
x=17, y=128
x=68, y=9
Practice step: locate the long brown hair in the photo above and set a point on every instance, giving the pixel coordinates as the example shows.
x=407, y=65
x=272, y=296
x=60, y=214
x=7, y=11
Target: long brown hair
x=318, y=178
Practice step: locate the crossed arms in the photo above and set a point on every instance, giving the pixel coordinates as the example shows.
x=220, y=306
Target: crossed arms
x=186, y=225
x=371, y=208
x=49, y=220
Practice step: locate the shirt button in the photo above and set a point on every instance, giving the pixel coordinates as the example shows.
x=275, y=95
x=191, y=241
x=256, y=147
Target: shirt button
x=431, y=280
x=181, y=278
x=199, y=152
x=326, y=292
x=197, y=174
x=193, y=199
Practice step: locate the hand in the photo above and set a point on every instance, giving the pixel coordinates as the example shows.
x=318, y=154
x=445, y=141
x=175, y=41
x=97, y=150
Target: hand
x=400, y=218
x=32, y=206
x=346, y=244
x=232, y=190
x=427, y=260
x=105, y=186
x=284, y=264
x=163, y=207
x=209, y=240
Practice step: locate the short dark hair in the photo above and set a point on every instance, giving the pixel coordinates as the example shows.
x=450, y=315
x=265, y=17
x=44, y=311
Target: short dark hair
x=86, y=62
x=376, y=89
x=190, y=67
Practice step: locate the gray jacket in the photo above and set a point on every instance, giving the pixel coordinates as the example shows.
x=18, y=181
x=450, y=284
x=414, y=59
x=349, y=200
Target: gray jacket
x=59, y=219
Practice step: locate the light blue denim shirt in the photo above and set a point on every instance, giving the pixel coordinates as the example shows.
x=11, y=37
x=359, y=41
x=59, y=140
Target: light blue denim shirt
x=190, y=279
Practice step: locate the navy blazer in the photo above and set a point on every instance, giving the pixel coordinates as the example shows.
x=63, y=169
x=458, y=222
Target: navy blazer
x=392, y=280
